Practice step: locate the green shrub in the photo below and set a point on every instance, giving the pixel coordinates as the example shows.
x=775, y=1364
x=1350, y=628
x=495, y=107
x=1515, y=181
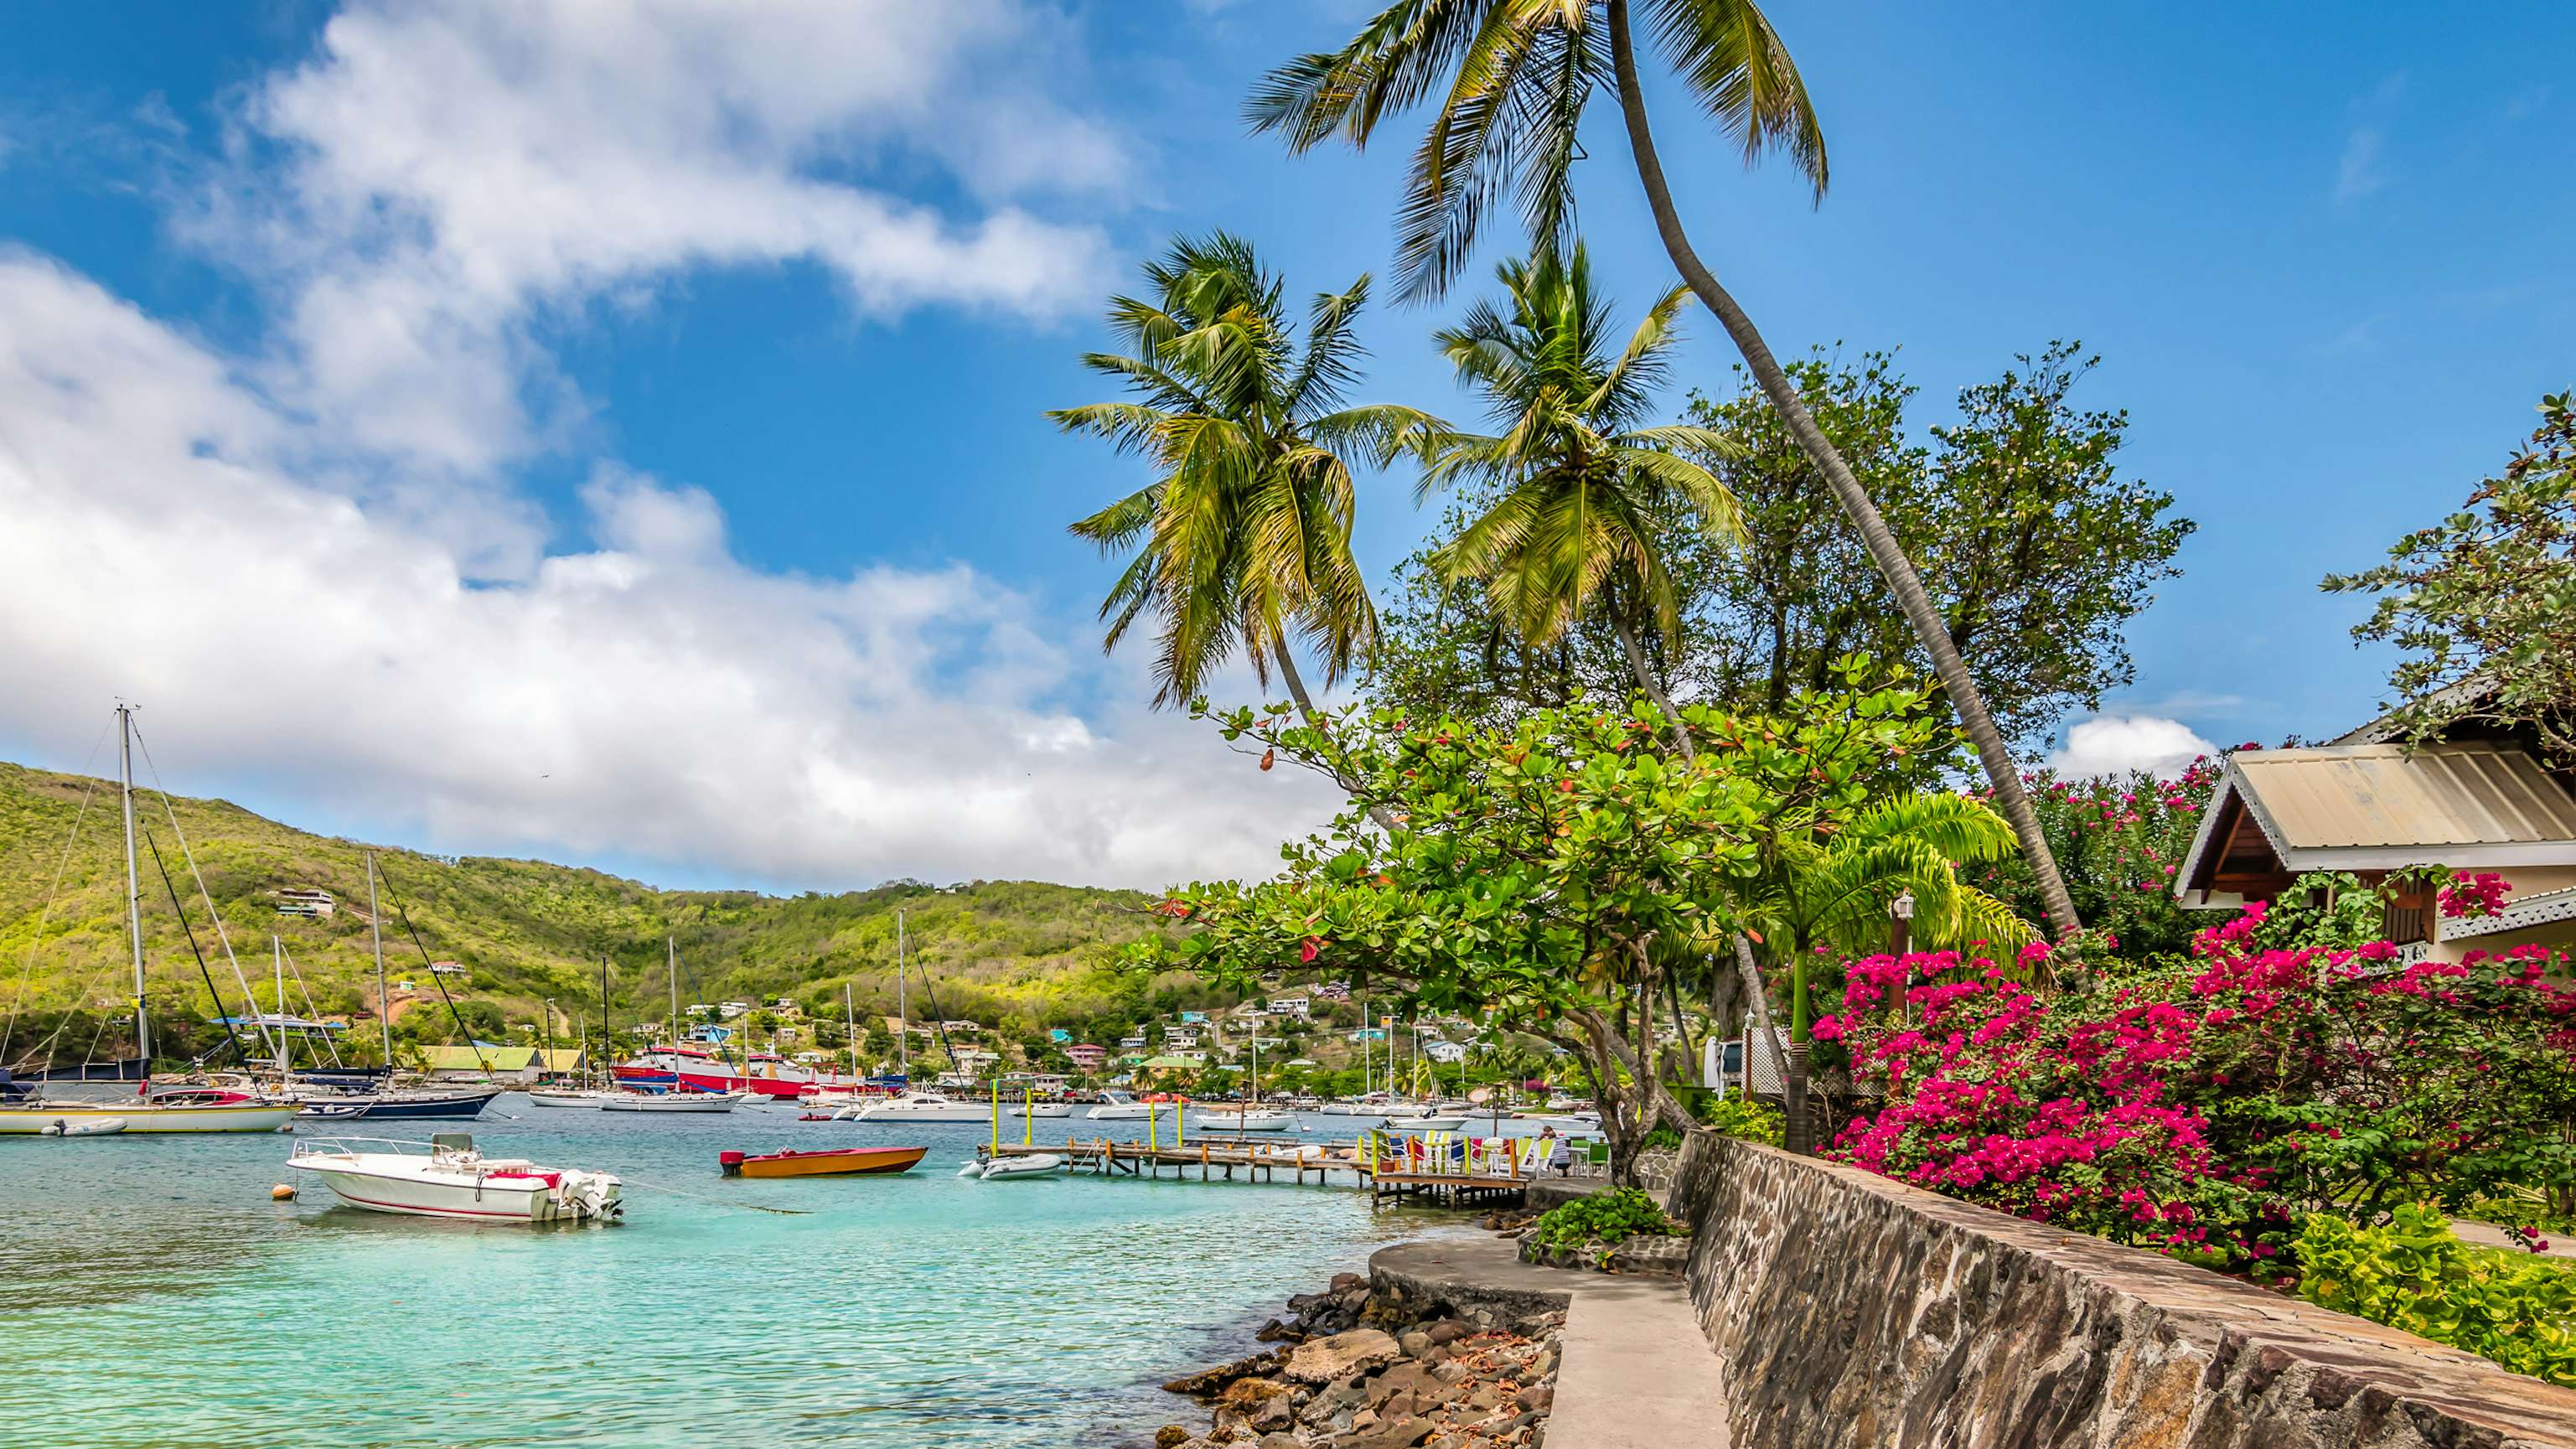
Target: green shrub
x=2416, y=1275
x=1737, y=1115
x=1607, y=1218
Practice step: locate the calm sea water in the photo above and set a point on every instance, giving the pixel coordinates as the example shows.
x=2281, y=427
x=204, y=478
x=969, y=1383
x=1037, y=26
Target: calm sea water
x=155, y=1295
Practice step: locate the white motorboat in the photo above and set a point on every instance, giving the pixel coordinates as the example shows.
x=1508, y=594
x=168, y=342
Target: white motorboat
x=1040, y=1164
x=1120, y=1107
x=916, y=1107
x=1258, y=1119
x=1431, y=1122
x=668, y=1102
x=590, y=1097
x=446, y=1177
x=1038, y=1109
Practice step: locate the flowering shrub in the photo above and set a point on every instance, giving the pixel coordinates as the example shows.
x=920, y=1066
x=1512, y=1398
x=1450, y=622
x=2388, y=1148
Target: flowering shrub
x=2200, y=1110
x=2118, y=841
x=2468, y=896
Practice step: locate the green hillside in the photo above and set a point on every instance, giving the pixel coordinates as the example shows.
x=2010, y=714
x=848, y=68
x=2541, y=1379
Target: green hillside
x=1016, y=954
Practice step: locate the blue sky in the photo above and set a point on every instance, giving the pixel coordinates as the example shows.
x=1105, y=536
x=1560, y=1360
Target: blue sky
x=614, y=434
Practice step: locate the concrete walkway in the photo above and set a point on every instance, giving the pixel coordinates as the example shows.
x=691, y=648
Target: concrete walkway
x=2486, y=1235
x=1637, y=1372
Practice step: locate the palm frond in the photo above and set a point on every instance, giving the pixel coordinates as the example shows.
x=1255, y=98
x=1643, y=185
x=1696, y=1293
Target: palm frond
x=1741, y=73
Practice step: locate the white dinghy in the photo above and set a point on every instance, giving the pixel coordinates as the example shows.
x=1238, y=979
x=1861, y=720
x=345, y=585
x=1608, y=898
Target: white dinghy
x=1038, y=1164
x=446, y=1177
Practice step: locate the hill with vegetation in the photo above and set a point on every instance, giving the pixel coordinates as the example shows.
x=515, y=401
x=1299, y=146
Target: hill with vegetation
x=1019, y=956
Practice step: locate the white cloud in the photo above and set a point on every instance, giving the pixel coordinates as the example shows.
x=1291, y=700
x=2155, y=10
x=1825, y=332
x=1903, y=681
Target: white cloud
x=652, y=697
x=436, y=186
x=2360, y=169
x=2116, y=744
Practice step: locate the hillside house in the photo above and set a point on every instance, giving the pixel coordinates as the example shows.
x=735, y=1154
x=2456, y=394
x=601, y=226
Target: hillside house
x=2478, y=800
x=314, y=903
x=1086, y=1057
x=1296, y=1006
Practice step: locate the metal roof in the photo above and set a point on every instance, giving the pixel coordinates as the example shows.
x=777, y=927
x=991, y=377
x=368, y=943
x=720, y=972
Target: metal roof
x=2380, y=796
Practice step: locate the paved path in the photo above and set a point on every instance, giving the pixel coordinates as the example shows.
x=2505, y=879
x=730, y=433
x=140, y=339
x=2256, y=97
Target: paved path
x=2485, y=1236
x=1637, y=1372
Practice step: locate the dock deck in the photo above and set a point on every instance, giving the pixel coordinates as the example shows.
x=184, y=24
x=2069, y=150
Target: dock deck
x=1222, y=1159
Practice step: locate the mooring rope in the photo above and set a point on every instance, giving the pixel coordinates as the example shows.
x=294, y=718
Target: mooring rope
x=719, y=1202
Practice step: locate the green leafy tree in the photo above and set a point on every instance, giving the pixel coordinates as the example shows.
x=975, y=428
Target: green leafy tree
x=1534, y=867
x=2483, y=604
x=1580, y=483
x=1243, y=537
x=2033, y=545
x=1511, y=79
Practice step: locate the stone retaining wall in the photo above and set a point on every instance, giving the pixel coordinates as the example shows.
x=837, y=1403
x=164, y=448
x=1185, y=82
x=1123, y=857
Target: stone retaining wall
x=1848, y=1310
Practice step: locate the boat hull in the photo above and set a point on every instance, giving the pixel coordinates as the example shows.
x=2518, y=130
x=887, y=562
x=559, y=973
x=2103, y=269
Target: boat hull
x=457, y=1107
x=145, y=1117
x=395, y=1183
x=829, y=1162
x=1225, y=1123
x=1129, y=1113
x=590, y=1100
x=667, y=1102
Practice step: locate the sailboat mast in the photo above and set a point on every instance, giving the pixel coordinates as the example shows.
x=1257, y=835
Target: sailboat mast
x=133, y=887
x=277, y=964
x=376, y=925
x=607, y=1033
x=850, y=1029
x=674, y=1032
x=902, y=1000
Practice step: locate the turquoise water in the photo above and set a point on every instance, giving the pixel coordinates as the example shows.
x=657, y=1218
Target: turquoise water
x=157, y=1296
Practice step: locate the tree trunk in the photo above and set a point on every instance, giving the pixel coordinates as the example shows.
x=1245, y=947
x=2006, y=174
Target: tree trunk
x=1287, y=661
x=1654, y=691
x=1992, y=750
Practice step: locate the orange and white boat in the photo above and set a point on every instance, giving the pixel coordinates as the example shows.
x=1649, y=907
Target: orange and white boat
x=822, y=1162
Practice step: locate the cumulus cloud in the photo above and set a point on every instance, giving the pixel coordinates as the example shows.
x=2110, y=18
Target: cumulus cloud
x=649, y=696
x=2117, y=743
x=437, y=185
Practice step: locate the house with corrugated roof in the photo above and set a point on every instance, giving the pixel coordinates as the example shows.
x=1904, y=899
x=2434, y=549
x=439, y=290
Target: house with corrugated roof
x=2482, y=799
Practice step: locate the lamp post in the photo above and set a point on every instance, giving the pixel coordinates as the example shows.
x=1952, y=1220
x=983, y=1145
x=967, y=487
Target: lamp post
x=1900, y=942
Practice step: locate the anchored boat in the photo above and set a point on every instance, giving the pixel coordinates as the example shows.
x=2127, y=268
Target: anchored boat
x=446, y=1177
x=825, y=1162
x=999, y=1169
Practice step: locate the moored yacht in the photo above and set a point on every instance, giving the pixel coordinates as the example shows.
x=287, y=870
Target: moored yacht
x=915, y=1107
x=448, y=1178
x=1116, y=1106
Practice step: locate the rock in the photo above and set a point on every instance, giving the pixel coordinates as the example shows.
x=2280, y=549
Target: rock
x=1448, y=1330
x=1402, y=1434
x=1485, y=1400
x=1248, y=1393
x=1415, y=1344
x=1321, y=1360
x=1171, y=1436
x=1346, y=1280
x=1278, y=1441
x=1274, y=1331
x=1210, y=1381
x=1538, y=1400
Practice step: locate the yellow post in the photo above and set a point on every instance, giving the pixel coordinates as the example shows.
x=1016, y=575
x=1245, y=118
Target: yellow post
x=1178, y=1108
x=1153, y=1127
x=1028, y=1116
x=997, y=1116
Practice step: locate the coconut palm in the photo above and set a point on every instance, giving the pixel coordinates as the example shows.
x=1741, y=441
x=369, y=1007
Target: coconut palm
x=1581, y=481
x=1243, y=537
x=1511, y=78
x=1834, y=892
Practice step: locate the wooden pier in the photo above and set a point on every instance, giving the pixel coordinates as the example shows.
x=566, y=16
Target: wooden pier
x=1222, y=1159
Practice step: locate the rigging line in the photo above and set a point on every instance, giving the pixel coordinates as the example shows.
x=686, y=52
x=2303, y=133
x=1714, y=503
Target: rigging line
x=172, y=887
x=221, y=935
x=435, y=979
x=89, y=989
x=312, y=1012
x=27, y=971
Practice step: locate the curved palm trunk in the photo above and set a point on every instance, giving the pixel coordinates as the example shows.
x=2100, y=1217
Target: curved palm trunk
x=1654, y=690
x=1286, y=659
x=1892, y=562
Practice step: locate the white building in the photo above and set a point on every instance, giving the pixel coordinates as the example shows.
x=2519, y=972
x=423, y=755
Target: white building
x=1296, y=1006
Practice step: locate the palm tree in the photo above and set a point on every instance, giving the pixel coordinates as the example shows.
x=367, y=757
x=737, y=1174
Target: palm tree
x=1512, y=77
x=1582, y=483
x=1243, y=536
x=1834, y=892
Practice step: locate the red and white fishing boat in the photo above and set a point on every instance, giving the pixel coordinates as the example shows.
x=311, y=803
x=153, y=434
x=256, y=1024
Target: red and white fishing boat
x=691, y=1069
x=446, y=1177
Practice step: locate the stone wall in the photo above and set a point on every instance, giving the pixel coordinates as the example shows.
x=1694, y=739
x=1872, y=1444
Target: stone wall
x=1848, y=1310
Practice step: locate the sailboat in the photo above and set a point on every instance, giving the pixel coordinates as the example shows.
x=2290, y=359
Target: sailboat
x=1249, y=1115
x=449, y=1106
x=203, y=1109
x=680, y=1095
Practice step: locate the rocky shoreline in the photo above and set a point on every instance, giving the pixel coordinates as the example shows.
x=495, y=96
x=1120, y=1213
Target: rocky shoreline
x=1355, y=1369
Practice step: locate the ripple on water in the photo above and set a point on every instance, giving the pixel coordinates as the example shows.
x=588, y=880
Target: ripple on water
x=890, y=1312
